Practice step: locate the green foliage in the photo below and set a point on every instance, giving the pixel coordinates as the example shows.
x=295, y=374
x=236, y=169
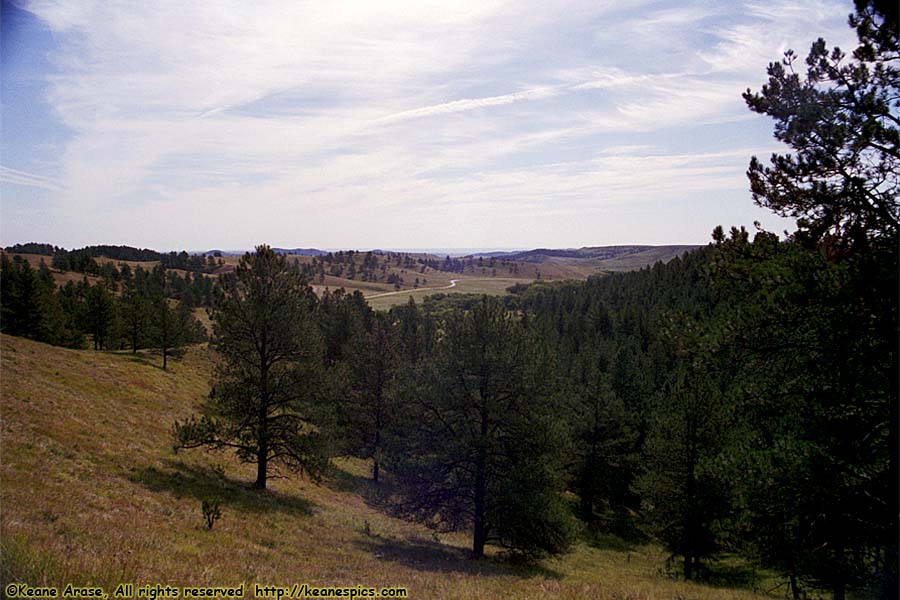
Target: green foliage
x=841, y=121
x=267, y=385
x=818, y=327
x=100, y=316
x=483, y=448
x=815, y=468
x=602, y=442
x=30, y=307
x=682, y=495
x=134, y=310
x=368, y=405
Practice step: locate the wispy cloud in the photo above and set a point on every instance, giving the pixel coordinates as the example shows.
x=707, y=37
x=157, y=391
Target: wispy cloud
x=471, y=104
x=16, y=177
x=351, y=122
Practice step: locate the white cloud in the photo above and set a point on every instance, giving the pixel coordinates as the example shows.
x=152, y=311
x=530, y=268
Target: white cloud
x=349, y=122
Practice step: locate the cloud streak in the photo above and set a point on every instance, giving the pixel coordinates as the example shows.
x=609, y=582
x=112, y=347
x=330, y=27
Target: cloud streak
x=16, y=177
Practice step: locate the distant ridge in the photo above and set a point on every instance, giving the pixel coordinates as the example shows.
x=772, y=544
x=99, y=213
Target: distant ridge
x=594, y=252
x=300, y=251
x=294, y=251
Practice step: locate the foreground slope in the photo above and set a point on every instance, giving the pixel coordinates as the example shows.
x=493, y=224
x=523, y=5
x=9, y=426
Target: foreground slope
x=91, y=492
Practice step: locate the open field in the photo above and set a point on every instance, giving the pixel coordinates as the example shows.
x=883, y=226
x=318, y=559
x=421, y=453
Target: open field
x=493, y=286
x=92, y=493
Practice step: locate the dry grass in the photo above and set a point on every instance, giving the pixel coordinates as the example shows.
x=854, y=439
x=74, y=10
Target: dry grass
x=92, y=492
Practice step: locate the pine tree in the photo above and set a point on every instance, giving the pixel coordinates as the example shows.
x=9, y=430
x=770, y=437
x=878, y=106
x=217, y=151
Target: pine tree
x=101, y=315
x=682, y=492
x=833, y=335
x=266, y=387
x=484, y=447
x=368, y=407
x=134, y=310
x=603, y=444
x=841, y=121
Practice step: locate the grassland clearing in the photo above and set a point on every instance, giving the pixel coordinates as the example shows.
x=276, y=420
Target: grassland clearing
x=492, y=286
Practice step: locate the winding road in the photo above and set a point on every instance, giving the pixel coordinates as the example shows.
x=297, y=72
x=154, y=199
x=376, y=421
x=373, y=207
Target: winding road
x=383, y=294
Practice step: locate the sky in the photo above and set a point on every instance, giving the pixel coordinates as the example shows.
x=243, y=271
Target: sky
x=392, y=124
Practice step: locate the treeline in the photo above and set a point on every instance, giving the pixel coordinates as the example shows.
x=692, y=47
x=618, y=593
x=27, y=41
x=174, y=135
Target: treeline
x=376, y=266
x=82, y=260
x=153, y=308
x=471, y=264
x=361, y=266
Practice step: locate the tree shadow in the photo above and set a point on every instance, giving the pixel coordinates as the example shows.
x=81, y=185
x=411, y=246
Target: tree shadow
x=155, y=362
x=610, y=541
x=434, y=557
x=726, y=572
x=375, y=495
x=341, y=480
x=418, y=553
x=203, y=483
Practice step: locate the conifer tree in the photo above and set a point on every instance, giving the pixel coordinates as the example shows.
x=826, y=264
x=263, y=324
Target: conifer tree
x=264, y=395
x=368, y=405
x=484, y=448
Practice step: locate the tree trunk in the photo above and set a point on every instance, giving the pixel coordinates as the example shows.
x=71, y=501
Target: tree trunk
x=165, y=356
x=480, y=533
x=478, y=539
x=795, y=589
x=375, y=453
x=262, y=459
x=839, y=591
x=587, y=504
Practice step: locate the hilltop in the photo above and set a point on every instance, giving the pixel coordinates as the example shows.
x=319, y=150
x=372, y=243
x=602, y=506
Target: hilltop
x=92, y=492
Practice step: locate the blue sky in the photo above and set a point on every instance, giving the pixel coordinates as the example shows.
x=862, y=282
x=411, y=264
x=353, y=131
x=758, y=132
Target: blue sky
x=394, y=124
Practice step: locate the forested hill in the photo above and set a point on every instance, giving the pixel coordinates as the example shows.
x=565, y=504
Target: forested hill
x=600, y=258
x=82, y=259
x=596, y=252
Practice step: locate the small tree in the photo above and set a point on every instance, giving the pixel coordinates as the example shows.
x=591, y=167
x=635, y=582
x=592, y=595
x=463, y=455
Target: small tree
x=171, y=328
x=211, y=510
x=100, y=313
x=264, y=392
x=134, y=311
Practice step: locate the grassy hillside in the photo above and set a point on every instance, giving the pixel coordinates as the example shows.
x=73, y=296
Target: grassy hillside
x=91, y=492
